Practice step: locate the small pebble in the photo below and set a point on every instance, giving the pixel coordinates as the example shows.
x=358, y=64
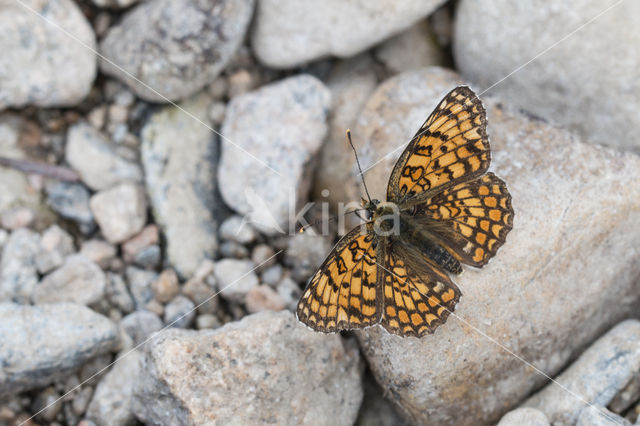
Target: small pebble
x=233, y=249
x=272, y=275
x=216, y=112
x=121, y=211
x=263, y=298
x=290, y=292
x=17, y=217
x=55, y=245
x=48, y=401
x=149, y=236
x=240, y=82
x=166, y=287
x=204, y=321
x=180, y=312
x=155, y=307
x=99, y=252
x=139, y=325
x=218, y=89
x=263, y=256
x=235, y=228
x=235, y=278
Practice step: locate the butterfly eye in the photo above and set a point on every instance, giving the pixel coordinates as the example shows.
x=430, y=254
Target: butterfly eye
x=412, y=210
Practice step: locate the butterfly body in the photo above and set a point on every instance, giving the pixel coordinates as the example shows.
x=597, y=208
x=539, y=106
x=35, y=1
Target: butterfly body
x=443, y=209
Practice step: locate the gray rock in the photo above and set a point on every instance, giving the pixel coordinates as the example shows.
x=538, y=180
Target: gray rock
x=196, y=377
x=305, y=253
x=48, y=404
x=40, y=64
x=121, y=212
x=575, y=83
x=78, y=280
x=71, y=201
x=600, y=372
x=541, y=283
x=600, y=416
x=629, y=395
x=140, y=282
x=111, y=402
x=235, y=278
x=139, y=325
x=290, y=292
x=174, y=47
x=410, y=50
x=235, y=229
x=179, y=156
x=39, y=344
x=275, y=130
x=15, y=191
x=55, y=245
x=351, y=82
x=207, y=321
x=180, y=312
x=117, y=293
x=96, y=159
x=288, y=33
x=525, y=416
x=18, y=272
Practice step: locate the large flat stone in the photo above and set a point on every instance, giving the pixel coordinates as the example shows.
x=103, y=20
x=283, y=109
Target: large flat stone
x=567, y=272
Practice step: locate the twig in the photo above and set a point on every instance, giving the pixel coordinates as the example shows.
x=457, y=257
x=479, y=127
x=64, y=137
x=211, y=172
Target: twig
x=39, y=168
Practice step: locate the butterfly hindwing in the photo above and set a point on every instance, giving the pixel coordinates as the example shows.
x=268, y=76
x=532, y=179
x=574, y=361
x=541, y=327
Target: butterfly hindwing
x=472, y=218
x=418, y=296
x=343, y=293
x=451, y=146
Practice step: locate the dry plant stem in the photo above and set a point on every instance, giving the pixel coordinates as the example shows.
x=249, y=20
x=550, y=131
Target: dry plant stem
x=39, y=168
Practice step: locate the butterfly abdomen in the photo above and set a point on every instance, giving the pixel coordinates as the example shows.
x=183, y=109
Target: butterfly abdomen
x=428, y=247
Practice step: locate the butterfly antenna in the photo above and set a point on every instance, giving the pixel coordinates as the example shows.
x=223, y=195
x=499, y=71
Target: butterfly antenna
x=358, y=161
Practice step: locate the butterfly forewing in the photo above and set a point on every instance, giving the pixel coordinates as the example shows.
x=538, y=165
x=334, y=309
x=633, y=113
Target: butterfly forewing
x=343, y=293
x=451, y=147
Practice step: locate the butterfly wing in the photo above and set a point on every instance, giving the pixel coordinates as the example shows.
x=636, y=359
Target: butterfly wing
x=452, y=146
x=471, y=220
x=417, y=295
x=343, y=293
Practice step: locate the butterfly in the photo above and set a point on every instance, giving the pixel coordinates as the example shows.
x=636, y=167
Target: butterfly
x=443, y=210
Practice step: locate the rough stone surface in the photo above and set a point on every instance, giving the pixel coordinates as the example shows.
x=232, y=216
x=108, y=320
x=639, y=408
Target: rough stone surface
x=139, y=325
x=55, y=245
x=179, y=156
x=235, y=278
x=111, y=402
x=542, y=281
x=597, y=376
x=65, y=335
x=41, y=65
x=18, y=271
x=71, y=201
x=269, y=362
x=525, y=416
x=600, y=416
x=275, y=131
x=412, y=49
x=120, y=212
x=586, y=82
x=351, y=82
x=175, y=47
x=288, y=33
x=78, y=280
x=95, y=158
